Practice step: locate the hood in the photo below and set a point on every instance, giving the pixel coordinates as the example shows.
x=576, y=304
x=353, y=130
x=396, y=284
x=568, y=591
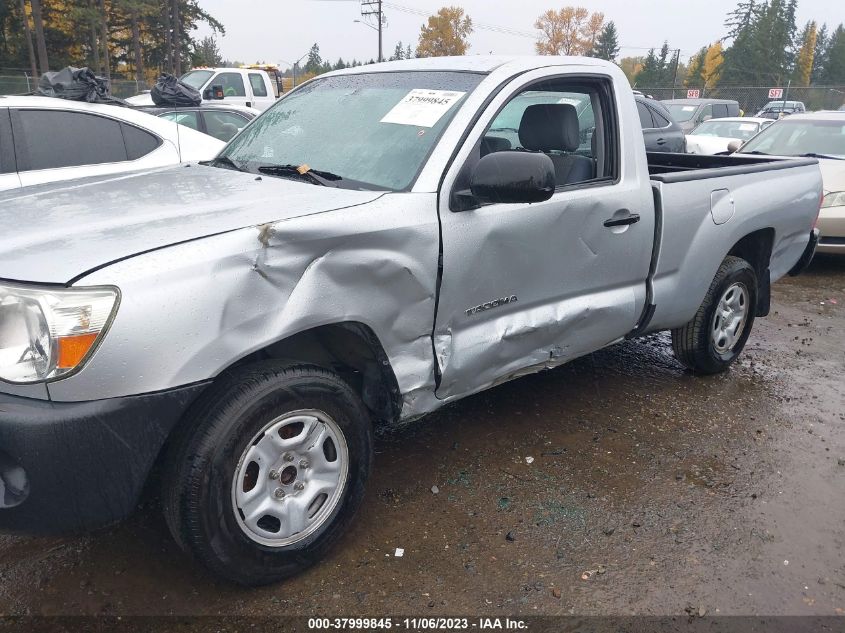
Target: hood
x=707, y=144
x=54, y=233
x=833, y=174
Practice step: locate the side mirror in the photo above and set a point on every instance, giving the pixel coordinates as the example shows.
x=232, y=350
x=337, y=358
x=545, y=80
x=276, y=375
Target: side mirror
x=217, y=93
x=734, y=146
x=513, y=177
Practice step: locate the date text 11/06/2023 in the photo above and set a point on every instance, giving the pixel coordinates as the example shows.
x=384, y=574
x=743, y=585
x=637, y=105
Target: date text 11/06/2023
x=418, y=624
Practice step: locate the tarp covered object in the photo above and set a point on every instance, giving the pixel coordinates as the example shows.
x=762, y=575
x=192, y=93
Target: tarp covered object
x=75, y=84
x=169, y=91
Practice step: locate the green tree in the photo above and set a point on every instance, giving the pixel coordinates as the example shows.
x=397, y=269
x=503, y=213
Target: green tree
x=207, y=53
x=315, y=62
x=607, y=43
x=820, y=54
x=834, y=70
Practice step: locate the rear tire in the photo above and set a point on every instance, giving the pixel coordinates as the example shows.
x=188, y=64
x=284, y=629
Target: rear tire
x=716, y=335
x=267, y=471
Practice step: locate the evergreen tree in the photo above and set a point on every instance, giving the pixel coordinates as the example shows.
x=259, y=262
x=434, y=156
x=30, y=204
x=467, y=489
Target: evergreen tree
x=607, y=43
x=820, y=54
x=315, y=62
x=650, y=71
x=398, y=53
x=834, y=69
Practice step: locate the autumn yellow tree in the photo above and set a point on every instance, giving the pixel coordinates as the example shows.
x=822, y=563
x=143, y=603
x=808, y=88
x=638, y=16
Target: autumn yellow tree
x=446, y=33
x=568, y=31
x=631, y=66
x=711, y=66
x=806, y=55
x=591, y=31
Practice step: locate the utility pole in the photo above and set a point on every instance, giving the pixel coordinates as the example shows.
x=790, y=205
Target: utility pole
x=675, y=74
x=373, y=7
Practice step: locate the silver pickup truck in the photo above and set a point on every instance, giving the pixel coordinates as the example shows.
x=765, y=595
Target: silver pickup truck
x=381, y=242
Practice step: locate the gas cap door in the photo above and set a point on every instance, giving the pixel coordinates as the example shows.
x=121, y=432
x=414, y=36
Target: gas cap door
x=722, y=206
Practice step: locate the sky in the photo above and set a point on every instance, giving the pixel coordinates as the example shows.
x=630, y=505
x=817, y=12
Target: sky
x=282, y=31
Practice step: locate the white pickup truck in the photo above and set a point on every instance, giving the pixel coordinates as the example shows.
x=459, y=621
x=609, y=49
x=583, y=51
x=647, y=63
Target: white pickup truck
x=385, y=240
x=239, y=86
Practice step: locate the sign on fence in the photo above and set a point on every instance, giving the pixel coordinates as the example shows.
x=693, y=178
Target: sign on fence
x=693, y=94
x=775, y=93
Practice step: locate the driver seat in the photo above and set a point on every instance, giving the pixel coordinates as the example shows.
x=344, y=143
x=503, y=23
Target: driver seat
x=553, y=128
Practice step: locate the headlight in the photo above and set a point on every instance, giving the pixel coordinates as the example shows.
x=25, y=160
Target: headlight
x=834, y=199
x=46, y=333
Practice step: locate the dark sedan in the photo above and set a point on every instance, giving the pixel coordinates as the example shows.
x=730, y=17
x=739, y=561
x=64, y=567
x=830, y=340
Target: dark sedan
x=660, y=131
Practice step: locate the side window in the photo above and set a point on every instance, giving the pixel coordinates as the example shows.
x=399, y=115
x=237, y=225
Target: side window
x=660, y=120
x=7, y=154
x=58, y=138
x=569, y=121
x=138, y=142
x=720, y=110
x=645, y=116
x=233, y=84
x=188, y=119
x=706, y=113
x=259, y=88
x=223, y=125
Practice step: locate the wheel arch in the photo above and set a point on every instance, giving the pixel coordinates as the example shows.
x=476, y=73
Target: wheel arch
x=756, y=249
x=350, y=348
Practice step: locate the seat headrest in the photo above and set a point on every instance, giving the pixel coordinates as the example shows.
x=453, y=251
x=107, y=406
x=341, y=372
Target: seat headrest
x=550, y=126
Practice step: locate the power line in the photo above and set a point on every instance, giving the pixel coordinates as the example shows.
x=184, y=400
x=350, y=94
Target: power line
x=494, y=28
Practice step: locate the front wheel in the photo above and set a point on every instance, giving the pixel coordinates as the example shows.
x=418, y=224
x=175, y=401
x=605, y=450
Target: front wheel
x=268, y=471
x=716, y=335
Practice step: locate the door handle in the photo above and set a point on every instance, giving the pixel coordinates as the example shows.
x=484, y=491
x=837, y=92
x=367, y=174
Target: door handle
x=628, y=219
x=661, y=141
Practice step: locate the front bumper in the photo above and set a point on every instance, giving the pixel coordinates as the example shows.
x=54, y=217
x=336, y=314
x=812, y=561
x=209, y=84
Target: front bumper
x=68, y=466
x=807, y=255
x=832, y=228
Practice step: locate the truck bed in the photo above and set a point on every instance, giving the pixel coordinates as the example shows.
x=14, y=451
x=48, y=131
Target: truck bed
x=664, y=167
x=704, y=202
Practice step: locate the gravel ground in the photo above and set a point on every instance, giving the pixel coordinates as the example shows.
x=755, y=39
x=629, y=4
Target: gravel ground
x=616, y=485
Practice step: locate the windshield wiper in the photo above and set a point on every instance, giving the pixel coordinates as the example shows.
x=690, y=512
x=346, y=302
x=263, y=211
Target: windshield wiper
x=503, y=129
x=223, y=161
x=815, y=155
x=756, y=151
x=323, y=178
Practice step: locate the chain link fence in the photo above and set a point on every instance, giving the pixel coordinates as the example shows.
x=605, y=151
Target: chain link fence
x=752, y=98
x=21, y=83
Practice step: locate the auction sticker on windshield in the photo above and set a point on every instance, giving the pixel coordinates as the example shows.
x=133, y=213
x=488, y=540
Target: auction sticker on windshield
x=422, y=108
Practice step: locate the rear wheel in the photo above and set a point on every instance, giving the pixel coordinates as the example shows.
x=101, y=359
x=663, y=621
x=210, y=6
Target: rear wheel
x=716, y=335
x=268, y=471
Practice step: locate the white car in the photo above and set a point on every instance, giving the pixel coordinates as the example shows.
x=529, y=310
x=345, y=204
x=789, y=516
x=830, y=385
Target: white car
x=714, y=135
x=819, y=135
x=43, y=139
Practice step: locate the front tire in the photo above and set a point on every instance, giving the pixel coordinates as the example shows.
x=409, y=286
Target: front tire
x=716, y=335
x=268, y=471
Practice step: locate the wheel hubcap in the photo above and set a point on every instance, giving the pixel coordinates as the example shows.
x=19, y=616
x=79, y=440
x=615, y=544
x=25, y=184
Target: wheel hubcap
x=730, y=317
x=290, y=478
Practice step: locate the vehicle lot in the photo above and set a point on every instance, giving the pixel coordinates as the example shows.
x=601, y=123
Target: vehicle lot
x=650, y=492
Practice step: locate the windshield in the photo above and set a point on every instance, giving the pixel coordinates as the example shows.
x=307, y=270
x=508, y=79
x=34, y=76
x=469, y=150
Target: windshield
x=681, y=112
x=727, y=129
x=795, y=137
x=371, y=130
x=196, y=78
